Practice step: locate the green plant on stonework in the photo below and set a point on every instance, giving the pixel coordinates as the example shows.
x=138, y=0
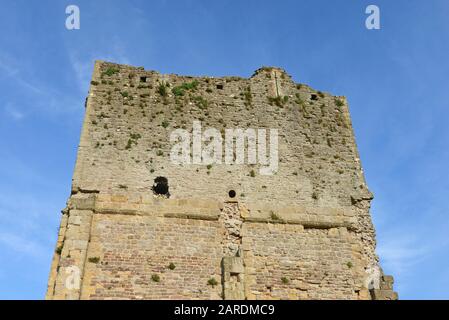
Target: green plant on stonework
x=247, y=96
x=94, y=259
x=171, y=266
x=274, y=216
x=302, y=106
x=349, y=264
x=339, y=102
x=298, y=100
x=200, y=102
x=212, y=282
x=177, y=91
x=162, y=89
x=133, y=138
x=164, y=124
x=155, y=278
x=285, y=280
x=181, y=89
x=103, y=115
x=122, y=186
x=314, y=195
x=265, y=68
x=58, y=250
x=209, y=166
x=252, y=173
x=110, y=71
x=124, y=94
x=278, y=101
x=190, y=85
x=129, y=144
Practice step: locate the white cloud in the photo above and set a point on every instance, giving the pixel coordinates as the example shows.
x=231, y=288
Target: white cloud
x=400, y=256
x=40, y=96
x=405, y=248
x=83, y=62
x=14, y=112
x=23, y=245
x=10, y=68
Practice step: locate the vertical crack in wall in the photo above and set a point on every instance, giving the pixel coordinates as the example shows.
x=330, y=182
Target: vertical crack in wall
x=276, y=83
x=233, y=272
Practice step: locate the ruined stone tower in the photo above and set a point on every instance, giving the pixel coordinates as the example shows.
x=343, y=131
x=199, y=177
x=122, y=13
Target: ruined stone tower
x=139, y=226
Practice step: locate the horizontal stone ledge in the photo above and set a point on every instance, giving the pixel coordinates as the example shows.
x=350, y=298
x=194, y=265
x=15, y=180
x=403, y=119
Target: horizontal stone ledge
x=192, y=216
x=215, y=217
x=150, y=200
x=155, y=210
x=305, y=224
x=119, y=211
x=184, y=215
x=291, y=210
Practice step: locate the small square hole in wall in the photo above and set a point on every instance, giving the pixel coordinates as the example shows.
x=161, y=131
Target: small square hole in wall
x=143, y=79
x=220, y=86
x=160, y=187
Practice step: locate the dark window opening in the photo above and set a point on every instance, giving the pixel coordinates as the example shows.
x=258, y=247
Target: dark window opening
x=143, y=79
x=314, y=97
x=232, y=193
x=160, y=186
x=220, y=86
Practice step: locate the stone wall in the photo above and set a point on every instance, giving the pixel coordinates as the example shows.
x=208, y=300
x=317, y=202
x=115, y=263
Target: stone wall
x=303, y=233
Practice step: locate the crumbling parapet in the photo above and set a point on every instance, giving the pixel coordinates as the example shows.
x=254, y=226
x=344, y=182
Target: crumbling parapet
x=385, y=290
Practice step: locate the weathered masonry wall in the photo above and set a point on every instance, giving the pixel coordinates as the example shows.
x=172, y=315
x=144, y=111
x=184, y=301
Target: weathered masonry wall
x=303, y=233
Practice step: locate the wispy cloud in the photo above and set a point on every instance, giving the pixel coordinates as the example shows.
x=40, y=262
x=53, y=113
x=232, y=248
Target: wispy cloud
x=40, y=96
x=13, y=111
x=23, y=245
x=82, y=62
x=11, y=69
x=400, y=256
x=412, y=248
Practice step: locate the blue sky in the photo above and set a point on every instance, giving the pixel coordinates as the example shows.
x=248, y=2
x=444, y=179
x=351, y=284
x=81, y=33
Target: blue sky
x=395, y=79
